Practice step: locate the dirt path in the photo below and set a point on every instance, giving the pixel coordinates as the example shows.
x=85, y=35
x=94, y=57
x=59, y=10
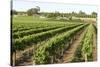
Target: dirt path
x=19, y=55
x=94, y=48
x=69, y=53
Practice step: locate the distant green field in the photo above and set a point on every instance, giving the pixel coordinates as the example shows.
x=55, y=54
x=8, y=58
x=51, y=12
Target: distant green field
x=32, y=19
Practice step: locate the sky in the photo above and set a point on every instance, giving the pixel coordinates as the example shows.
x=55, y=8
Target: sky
x=24, y=5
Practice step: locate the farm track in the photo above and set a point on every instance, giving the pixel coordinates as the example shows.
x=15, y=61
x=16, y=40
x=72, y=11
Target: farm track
x=70, y=52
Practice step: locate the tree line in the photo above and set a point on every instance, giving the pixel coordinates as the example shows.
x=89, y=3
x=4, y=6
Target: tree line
x=36, y=11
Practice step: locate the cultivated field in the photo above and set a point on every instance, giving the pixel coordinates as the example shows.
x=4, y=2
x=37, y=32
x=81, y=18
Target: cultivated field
x=45, y=41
